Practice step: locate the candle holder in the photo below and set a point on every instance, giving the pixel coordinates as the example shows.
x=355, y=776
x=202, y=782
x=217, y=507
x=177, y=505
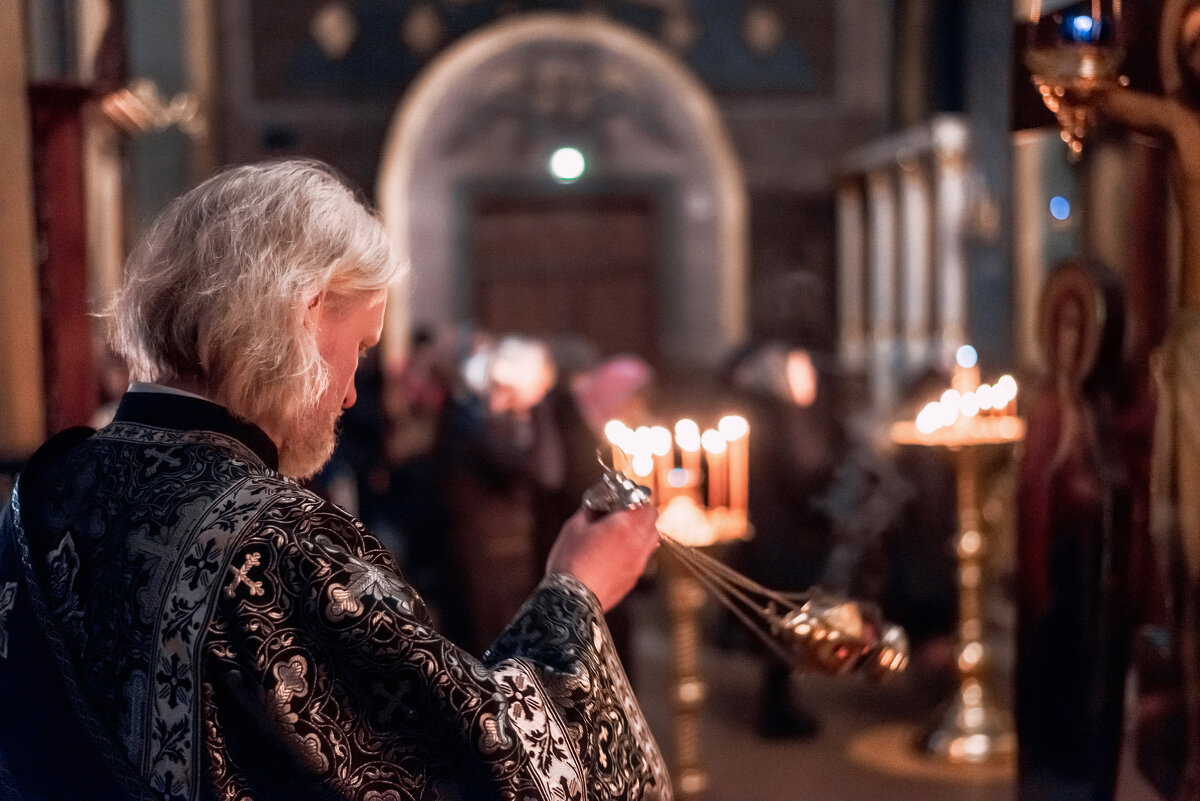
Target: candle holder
x=971, y=728
x=1074, y=52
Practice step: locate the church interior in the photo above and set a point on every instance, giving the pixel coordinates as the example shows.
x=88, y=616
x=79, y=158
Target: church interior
x=935, y=262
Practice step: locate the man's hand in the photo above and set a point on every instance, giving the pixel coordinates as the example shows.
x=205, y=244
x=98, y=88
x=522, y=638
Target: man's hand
x=608, y=553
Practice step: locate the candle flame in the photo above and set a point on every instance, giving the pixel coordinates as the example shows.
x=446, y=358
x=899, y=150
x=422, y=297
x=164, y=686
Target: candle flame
x=986, y=396
x=687, y=434
x=930, y=418
x=712, y=441
x=615, y=430
x=1006, y=385
x=969, y=405
x=660, y=441
x=732, y=427
x=993, y=403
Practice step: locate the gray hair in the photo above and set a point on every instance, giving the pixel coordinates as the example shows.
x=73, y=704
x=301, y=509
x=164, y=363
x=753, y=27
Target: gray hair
x=217, y=292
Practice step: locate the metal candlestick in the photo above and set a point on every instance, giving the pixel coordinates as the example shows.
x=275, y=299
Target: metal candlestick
x=972, y=728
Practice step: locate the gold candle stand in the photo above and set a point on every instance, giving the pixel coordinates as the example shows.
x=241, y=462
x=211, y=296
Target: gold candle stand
x=685, y=600
x=971, y=727
x=685, y=595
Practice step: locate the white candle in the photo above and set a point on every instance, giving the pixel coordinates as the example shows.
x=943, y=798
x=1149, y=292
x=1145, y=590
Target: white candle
x=687, y=437
x=966, y=369
x=714, y=451
x=662, y=449
x=1006, y=386
x=736, y=432
x=614, y=431
x=643, y=457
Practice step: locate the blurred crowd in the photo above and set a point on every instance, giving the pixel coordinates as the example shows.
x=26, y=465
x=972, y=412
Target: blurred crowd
x=467, y=459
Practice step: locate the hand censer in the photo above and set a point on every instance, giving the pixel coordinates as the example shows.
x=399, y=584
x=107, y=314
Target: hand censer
x=812, y=630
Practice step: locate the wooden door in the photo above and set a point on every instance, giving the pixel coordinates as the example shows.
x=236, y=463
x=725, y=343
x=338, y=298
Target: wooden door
x=554, y=266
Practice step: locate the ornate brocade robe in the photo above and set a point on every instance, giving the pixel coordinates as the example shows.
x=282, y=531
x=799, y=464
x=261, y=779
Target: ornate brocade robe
x=179, y=621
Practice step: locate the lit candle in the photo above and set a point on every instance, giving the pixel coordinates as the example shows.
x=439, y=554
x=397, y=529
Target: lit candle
x=930, y=418
x=966, y=370
x=948, y=406
x=1006, y=387
x=736, y=432
x=664, y=460
x=643, y=457
x=714, y=451
x=614, y=431
x=986, y=397
x=687, y=437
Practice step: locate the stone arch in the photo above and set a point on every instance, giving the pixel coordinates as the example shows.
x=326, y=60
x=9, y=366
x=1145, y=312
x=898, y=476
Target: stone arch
x=456, y=124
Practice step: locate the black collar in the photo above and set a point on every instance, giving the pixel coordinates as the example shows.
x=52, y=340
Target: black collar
x=184, y=413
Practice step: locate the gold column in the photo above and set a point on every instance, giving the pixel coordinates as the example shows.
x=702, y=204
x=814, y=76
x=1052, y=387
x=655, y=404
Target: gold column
x=972, y=728
x=22, y=417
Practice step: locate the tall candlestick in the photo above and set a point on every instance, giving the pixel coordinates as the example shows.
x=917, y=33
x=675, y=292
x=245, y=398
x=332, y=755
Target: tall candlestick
x=736, y=432
x=715, y=454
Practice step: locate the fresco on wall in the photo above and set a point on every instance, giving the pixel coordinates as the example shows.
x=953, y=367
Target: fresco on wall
x=370, y=50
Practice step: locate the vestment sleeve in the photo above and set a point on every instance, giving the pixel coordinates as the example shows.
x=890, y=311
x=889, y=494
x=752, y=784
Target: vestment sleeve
x=324, y=656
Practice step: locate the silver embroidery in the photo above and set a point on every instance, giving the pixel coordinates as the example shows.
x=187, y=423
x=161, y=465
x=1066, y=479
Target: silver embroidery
x=8, y=599
x=62, y=567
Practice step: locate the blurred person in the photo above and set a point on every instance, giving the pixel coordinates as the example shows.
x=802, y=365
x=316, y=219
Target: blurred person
x=407, y=508
x=795, y=444
x=579, y=406
x=496, y=449
x=897, y=520
x=577, y=409
x=180, y=619
x=414, y=398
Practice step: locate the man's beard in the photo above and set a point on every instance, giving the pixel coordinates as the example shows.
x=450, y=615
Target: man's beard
x=310, y=444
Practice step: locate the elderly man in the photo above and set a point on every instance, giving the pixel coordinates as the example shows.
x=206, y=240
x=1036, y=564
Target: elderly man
x=180, y=619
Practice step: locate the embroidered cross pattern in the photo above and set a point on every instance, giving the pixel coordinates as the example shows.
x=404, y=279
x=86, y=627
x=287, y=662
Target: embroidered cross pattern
x=241, y=575
x=159, y=557
x=160, y=459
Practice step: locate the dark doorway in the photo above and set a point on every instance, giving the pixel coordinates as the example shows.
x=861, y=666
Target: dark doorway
x=580, y=265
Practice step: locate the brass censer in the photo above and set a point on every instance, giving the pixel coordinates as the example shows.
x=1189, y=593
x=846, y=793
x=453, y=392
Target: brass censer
x=812, y=630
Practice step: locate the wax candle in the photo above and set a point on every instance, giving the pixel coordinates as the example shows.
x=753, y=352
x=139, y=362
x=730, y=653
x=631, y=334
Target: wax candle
x=614, y=431
x=718, y=470
x=736, y=432
x=687, y=437
x=1006, y=385
x=643, y=457
x=966, y=370
x=661, y=448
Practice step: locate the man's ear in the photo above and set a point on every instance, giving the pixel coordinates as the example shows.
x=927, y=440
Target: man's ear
x=312, y=310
